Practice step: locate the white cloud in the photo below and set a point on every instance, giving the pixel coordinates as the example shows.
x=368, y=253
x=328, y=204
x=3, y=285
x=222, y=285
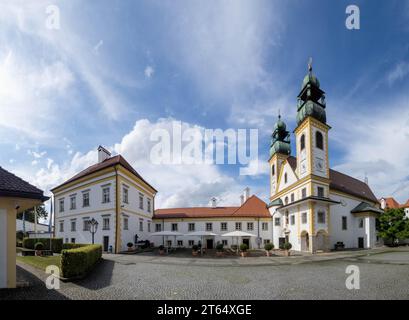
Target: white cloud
x=149, y=71
x=178, y=185
x=376, y=143
x=400, y=71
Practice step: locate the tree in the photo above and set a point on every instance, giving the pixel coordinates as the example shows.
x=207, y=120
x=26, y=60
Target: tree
x=393, y=225
x=29, y=214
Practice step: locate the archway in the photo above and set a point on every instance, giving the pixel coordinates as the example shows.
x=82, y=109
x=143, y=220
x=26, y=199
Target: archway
x=305, y=241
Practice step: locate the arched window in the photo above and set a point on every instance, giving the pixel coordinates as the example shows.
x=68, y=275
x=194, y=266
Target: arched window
x=319, y=140
x=285, y=177
x=302, y=142
x=273, y=170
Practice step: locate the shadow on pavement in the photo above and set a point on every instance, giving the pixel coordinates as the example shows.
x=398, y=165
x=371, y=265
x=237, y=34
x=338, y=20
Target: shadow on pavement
x=35, y=290
x=100, y=277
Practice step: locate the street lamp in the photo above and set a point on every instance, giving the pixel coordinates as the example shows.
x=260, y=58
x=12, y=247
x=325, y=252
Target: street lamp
x=93, y=227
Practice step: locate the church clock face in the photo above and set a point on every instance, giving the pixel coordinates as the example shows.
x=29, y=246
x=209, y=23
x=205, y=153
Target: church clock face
x=319, y=164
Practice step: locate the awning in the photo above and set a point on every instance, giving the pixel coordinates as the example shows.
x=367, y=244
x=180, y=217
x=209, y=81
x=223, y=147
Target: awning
x=238, y=234
x=366, y=207
x=166, y=234
x=201, y=234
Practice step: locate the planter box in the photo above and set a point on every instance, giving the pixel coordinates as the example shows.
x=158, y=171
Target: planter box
x=244, y=254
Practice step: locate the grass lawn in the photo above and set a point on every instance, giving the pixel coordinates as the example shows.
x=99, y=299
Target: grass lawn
x=40, y=262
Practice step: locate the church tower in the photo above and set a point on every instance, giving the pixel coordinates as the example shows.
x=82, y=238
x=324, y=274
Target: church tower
x=312, y=130
x=279, y=151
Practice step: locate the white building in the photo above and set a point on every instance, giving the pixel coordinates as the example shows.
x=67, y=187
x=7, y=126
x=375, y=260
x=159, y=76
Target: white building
x=251, y=216
x=112, y=193
x=314, y=207
x=28, y=226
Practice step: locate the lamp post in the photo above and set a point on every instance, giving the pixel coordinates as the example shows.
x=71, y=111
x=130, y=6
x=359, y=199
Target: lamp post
x=93, y=227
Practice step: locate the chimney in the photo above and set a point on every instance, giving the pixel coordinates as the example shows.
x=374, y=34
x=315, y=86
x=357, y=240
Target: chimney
x=241, y=199
x=214, y=202
x=103, y=154
x=246, y=194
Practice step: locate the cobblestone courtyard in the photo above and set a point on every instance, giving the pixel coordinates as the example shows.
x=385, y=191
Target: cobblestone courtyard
x=384, y=275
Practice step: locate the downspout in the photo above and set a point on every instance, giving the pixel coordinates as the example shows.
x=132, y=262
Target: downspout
x=258, y=233
x=117, y=221
x=163, y=229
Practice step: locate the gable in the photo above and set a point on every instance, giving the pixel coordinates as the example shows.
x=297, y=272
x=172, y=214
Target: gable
x=291, y=176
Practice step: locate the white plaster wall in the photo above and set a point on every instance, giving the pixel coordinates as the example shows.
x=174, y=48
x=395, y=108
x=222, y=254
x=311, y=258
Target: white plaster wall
x=291, y=177
x=3, y=248
x=82, y=236
x=30, y=226
x=350, y=236
x=183, y=227
x=318, y=153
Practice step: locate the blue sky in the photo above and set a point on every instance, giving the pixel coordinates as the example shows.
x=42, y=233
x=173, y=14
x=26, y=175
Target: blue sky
x=116, y=70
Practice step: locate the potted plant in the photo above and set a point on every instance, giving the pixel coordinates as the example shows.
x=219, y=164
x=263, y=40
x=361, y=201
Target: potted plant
x=287, y=246
x=219, y=249
x=38, y=247
x=161, y=250
x=243, y=248
x=195, y=249
x=268, y=247
x=130, y=246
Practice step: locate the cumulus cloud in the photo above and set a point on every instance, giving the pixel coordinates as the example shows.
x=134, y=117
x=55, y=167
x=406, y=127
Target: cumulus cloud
x=178, y=184
x=376, y=144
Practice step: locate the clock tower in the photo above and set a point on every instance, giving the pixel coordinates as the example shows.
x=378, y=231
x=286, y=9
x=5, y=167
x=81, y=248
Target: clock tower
x=312, y=130
x=279, y=151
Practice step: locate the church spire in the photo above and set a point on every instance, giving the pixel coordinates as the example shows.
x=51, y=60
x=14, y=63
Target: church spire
x=311, y=99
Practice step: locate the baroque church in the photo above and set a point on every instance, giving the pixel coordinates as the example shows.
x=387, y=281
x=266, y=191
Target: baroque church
x=312, y=206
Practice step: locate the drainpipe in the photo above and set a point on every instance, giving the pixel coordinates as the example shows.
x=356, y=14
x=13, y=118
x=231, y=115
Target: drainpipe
x=163, y=229
x=258, y=232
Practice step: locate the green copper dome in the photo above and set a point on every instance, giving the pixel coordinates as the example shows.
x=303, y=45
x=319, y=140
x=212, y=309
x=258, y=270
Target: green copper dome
x=280, y=139
x=310, y=78
x=280, y=125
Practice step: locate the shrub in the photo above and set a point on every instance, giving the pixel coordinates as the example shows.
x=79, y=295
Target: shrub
x=287, y=246
x=161, y=247
x=195, y=247
x=244, y=247
x=234, y=247
x=129, y=244
x=68, y=246
x=56, y=244
x=269, y=246
x=39, y=246
x=79, y=261
x=19, y=243
x=219, y=247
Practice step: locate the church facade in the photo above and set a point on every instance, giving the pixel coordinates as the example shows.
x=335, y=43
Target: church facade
x=312, y=206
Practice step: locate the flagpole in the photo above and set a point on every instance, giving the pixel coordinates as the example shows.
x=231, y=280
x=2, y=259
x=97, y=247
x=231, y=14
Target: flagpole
x=35, y=221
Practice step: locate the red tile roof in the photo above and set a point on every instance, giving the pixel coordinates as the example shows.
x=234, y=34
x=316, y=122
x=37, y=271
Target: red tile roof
x=344, y=183
x=405, y=205
x=253, y=207
x=110, y=162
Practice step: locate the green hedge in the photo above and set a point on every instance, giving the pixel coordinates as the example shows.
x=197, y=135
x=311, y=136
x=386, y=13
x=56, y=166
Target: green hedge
x=56, y=243
x=78, y=262
x=68, y=246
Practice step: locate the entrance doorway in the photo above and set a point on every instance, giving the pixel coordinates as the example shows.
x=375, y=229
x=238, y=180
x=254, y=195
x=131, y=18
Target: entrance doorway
x=305, y=241
x=281, y=242
x=209, y=243
x=247, y=242
x=106, y=243
x=360, y=243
